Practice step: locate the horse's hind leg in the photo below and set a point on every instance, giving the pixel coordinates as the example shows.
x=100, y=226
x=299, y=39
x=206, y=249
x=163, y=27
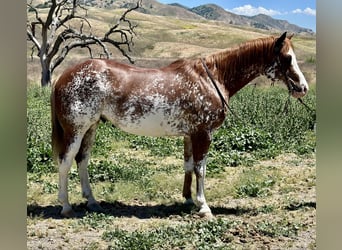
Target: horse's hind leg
x=71, y=147
x=188, y=169
x=82, y=159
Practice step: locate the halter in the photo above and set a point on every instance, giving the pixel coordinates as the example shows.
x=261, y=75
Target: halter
x=291, y=86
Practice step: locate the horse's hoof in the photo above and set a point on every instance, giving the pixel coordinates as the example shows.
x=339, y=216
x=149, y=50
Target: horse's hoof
x=95, y=207
x=205, y=213
x=68, y=213
x=189, y=202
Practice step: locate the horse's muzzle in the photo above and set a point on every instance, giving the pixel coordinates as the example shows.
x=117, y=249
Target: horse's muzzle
x=295, y=90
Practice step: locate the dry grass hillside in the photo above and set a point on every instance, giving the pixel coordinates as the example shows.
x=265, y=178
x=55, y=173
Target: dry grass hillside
x=162, y=39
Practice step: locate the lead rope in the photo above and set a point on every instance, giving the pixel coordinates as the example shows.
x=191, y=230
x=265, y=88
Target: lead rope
x=211, y=77
x=305, y=105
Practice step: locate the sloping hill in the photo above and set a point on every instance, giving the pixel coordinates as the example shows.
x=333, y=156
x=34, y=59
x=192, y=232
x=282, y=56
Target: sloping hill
x=266, y=22
x=261, y=21
x=151, y=7
x=214, y=12
x=202, y=12
x=162, y=39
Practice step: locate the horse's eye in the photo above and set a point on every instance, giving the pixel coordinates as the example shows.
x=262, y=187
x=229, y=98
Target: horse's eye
x=288, y=59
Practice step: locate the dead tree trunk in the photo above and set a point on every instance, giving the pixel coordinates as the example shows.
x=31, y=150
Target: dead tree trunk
x=46, y=74
x=55, y=35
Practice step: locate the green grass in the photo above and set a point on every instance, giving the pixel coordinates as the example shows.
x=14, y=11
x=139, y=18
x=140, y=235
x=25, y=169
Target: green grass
x=279, y=228
x=212, y=234
x=266, y=124
x=191, y=235
x=254, y=183
x=143, y=176
x=136, y=165
x=39, y=159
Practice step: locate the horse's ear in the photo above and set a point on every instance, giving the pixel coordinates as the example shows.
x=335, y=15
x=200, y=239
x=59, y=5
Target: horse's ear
x=279, y=43
x=290, y=36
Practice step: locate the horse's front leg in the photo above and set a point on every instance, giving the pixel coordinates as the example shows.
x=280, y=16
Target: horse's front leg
x=188, y=170
x=200, y=146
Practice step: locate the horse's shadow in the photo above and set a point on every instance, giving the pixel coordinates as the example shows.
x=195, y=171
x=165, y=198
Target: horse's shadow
x=119, y=209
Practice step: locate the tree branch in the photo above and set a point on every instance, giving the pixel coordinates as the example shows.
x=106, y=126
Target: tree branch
x=59, y=35
x=50, y=14
x=33, y=39
x=31, y=8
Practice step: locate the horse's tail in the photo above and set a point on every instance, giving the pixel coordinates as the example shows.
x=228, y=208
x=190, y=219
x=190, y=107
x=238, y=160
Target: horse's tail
x=57, y=130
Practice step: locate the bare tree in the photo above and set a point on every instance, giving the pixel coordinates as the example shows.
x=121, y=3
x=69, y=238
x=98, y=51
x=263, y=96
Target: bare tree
x=66, y=26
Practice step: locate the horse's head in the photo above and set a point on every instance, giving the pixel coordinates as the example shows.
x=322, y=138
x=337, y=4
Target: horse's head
x=285, y=67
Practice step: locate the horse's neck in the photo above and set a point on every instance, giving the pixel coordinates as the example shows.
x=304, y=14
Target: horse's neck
x=237, y=67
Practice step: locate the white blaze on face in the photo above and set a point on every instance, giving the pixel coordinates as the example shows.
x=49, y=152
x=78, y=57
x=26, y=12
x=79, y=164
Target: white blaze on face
x=302, y=81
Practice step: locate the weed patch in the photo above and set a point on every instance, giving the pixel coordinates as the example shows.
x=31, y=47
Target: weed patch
x=254, y=183
x=110, y=171
x=278, y=228
x=198, y=235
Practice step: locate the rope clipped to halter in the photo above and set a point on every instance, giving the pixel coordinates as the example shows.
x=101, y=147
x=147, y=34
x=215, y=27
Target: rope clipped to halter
x=211, y=77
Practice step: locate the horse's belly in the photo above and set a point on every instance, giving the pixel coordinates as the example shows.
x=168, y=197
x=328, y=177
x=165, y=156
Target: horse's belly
x=151, y=124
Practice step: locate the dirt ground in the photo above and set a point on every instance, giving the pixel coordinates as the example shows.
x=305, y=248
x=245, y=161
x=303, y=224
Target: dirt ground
x=292, y=202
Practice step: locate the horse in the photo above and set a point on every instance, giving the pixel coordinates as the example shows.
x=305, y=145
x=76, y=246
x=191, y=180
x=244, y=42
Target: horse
x=185, y=98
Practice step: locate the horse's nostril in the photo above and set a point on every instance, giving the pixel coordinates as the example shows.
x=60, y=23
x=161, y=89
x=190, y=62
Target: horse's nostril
x=305, y=89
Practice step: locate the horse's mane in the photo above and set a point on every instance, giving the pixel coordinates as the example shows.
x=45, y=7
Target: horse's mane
x=256, y=52
x=230, y=60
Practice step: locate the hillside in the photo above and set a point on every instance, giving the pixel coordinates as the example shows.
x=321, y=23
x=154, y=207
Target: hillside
x=162, y=39
x=151, y=7
x=214, y=12
x=207, y=11
x=266, y=22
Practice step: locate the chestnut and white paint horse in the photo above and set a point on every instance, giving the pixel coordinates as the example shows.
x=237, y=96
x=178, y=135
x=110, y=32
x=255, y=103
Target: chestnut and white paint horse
x=176, y=100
